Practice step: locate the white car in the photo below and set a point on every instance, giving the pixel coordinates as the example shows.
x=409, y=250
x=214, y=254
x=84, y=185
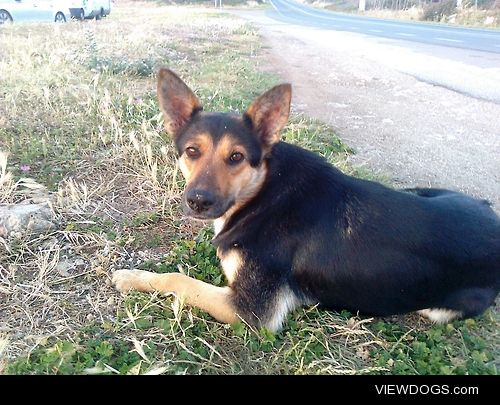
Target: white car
x=97, y=9
x=33, y=10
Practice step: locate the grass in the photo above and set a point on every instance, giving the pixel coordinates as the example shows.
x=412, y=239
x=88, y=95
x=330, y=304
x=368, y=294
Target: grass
x=79, y=117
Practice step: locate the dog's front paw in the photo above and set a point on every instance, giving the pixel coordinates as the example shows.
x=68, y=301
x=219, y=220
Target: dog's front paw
x=126, y=280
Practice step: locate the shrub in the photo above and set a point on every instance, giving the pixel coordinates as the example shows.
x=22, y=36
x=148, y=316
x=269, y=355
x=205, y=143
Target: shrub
x=436, y=11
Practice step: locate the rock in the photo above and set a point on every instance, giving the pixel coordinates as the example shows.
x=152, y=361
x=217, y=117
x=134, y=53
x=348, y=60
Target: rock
x=20, y=219
x=68, y=266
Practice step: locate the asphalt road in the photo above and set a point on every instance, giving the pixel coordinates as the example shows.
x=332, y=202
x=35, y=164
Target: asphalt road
x=466, y=38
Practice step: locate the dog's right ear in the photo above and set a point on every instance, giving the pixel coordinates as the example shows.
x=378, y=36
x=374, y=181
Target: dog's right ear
x=177, y=102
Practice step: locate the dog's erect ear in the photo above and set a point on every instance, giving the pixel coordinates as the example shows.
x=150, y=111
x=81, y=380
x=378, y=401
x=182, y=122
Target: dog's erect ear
x=177, y=102
x=269, y=113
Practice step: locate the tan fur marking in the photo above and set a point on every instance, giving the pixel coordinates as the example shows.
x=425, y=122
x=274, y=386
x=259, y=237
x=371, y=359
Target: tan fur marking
x=185, y=167
x=240, y=182
x=242, y=196
x=240, y=202
x=226, y=146
x=214, y=300
x=233, y=181
x=193, y=168
x=248, y=183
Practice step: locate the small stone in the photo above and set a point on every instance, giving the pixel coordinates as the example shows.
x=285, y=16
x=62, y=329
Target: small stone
x=17, y=220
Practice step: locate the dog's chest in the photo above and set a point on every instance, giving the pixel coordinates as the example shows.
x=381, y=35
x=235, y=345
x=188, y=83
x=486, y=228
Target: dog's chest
x=231, y=262
x=218, y=225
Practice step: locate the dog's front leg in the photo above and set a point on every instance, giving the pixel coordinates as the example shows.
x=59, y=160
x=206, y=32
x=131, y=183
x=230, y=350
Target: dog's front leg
x=214, y=300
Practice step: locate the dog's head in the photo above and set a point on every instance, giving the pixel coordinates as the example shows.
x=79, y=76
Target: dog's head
x=221, y=155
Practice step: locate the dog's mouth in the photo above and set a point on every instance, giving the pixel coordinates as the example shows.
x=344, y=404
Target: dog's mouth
x=217, y=210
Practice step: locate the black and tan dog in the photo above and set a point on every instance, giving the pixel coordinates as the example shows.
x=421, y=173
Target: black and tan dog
x=293, y=230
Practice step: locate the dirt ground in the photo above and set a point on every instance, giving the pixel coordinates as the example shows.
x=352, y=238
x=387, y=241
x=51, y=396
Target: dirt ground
x=378, y=95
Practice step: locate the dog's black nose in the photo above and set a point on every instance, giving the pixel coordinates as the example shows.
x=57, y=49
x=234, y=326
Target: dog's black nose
x=200, y=200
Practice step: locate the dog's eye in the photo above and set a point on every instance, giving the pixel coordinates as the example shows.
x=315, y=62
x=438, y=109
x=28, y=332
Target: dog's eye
x=236, y=157
x=192, y=152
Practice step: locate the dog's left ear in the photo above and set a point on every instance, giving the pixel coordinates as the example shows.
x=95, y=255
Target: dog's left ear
x=269, y=113
x=177, y=102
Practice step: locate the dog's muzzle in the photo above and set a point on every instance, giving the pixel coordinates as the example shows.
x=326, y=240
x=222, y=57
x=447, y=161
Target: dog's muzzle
x=200, y=200
x=204, y=204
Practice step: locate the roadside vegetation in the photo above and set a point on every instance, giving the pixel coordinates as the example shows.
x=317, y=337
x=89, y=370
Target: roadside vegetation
x=80, y=127
x=476, y=13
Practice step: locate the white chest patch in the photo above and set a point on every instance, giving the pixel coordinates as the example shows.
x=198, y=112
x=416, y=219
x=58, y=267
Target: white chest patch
x=218, y=225
x=231, y=263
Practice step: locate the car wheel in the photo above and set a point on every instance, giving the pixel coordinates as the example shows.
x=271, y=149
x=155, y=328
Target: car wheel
x=99, y=15
x=5, y=17
x=82, y=14
x=60, y=18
